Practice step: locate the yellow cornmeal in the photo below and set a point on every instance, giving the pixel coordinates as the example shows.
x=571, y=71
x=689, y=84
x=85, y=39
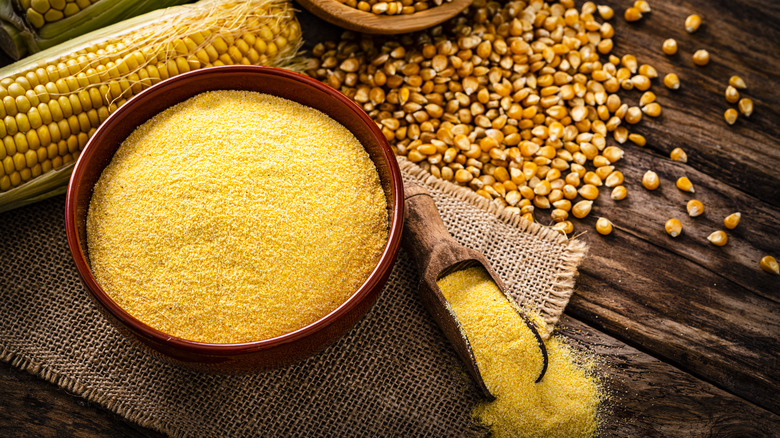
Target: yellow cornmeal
x=563, y=404
x=236, y=216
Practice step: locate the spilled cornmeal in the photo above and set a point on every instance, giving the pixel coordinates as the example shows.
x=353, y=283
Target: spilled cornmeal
x=564, y=404
x=236, y=216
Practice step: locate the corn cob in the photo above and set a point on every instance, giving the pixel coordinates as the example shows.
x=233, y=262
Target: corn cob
x=52, y=102
x=35, y=25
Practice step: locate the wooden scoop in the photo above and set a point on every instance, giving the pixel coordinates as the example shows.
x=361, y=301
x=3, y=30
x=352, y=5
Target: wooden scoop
x=436, y=254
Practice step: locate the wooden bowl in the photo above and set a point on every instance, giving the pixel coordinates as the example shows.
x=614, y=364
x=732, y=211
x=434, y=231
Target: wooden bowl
x=350, y=18
x=262, y=354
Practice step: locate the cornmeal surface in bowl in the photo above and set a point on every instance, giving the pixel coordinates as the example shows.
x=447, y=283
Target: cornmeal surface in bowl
x=236, y=216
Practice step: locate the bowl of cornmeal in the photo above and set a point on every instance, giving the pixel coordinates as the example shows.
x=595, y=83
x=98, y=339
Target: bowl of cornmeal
x=235, y=218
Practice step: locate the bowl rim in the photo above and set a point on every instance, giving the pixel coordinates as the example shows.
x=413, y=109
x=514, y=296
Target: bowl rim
x=338, y=13
x=383, y=265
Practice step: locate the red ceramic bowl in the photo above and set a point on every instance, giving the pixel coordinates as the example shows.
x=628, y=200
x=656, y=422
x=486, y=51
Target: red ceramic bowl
x=268, y=353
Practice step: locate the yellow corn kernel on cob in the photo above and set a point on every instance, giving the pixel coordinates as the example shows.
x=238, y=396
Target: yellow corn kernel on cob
x=52, y=102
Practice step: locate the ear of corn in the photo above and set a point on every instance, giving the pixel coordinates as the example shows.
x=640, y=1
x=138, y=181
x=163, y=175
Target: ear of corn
x=33, y=26
x=52, y=102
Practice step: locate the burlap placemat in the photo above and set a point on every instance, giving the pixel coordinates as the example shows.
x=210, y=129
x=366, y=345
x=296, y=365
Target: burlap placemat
x=394, y=374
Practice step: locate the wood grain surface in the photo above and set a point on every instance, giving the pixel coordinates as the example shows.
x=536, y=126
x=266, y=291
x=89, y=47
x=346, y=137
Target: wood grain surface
x=708, y=310
x=648, y=397
x=687, y=332
x=31, y=407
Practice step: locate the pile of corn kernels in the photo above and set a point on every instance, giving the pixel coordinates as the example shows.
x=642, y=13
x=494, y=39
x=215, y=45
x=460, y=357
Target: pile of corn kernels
x=511, y=100
x=520, y=102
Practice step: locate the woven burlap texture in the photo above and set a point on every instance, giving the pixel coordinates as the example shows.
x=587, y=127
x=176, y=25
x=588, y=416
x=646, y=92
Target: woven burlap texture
x=393, y=374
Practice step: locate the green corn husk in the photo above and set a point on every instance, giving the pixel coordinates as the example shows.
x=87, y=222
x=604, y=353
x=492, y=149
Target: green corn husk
x=29, y=39
x=50, y=184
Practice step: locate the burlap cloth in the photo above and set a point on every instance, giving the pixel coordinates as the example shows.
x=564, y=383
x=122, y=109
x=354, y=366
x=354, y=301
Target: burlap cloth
x=394, y=374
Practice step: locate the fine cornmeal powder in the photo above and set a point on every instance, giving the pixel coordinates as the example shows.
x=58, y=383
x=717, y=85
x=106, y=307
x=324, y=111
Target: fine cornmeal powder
x=564, y=404
x=236, y=216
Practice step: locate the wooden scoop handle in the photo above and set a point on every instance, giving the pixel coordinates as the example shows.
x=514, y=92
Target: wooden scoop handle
x=433, y=249
x=436, y=254
x=426, y=239
x=424, y=232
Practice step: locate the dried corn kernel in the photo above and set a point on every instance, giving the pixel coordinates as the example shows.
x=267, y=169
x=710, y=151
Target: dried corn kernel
x=600, y=161
x=605, y=46
x=559, y=215
x=619, y=193
x=603, y=226
x=633, y=115
x=730, y=115
x=701, y=57
x=678, y=154
x=637, y=139
x=613, y=153
x=769, y=264
x=672, y=81
x=592, y=178
x=648, y=70
x=641, y=82
x=581, y=209
x=614, y=179
x=563, y=204
x=695, y=208
x=684, y=184
x=621, y=134
x=632, y=14
x=732, y=95
x=692, y=23
x=629, y=62
x=731, y=221
x=647, y=98
x=673, y=227
x=605, y=12
x=565, y=227
x=718, y=238
x=745, y=106
x=670, y=46
x=463, y=176
x=737, y=82
x=652, y=109
x=589, y=191
x=643, y=6
x=650, y=180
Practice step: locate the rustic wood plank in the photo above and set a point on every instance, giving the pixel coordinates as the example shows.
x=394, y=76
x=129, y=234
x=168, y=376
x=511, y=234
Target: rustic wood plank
x=652, y=398
x=643, y=214
x=33, y=407
x=688, y=315
x=710, y=310
x=743, y=38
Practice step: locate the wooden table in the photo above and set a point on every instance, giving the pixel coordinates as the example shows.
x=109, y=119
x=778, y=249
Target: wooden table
x=686, y=330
